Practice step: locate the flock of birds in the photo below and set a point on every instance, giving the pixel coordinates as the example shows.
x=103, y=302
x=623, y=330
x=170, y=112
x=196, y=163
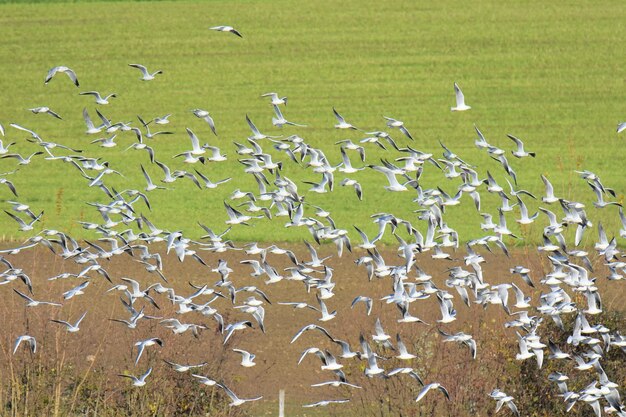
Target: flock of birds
x=125, y=233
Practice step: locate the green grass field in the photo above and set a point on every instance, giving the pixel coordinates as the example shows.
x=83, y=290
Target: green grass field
x=551, y=75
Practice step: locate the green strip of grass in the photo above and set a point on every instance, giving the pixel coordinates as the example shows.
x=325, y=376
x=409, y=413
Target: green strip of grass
x=546, y=73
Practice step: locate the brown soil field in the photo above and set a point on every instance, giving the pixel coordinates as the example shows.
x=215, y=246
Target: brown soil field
x=105, y=347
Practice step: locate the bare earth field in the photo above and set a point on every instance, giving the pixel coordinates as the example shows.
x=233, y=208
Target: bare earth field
x=103, y=348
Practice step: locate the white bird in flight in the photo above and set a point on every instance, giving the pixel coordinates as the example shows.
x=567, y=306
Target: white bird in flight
x=44, y=109
x=70, y=73
x=138, y=381
x=99, y=98
x=275, y=99
x=72, y=328
x=31, y=341
x=460, y=100
x=227, y=29
x=146, y=75
x=236, y=400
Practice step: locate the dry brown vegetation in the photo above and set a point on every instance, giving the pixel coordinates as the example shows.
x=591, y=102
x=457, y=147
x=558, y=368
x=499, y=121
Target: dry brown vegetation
x=76, y=374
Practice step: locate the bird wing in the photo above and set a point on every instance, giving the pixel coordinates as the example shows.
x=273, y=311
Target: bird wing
x=460, y=98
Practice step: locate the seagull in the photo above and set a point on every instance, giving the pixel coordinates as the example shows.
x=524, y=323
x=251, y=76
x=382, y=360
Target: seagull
x=203, y=114
x=432, y=386
x=230, y=329
x=342, y=122
x=210, y=184
x=78, y=290
x=141, y=345
x=311, y=327
x=31, y=342
x=503, y=398
x=460, y=338
x=204, y=380
x=99, y=98
x=621, y=127
x=23, y=225
x=72, y=328
x=138, y=381
x=44, y=109
x=34, y=303
x=227, y=29
x=236, y=217
x=460, y=100
x=394, y=185
x=256, y=134
x=410, y=371
x=64, y=70
x=324, y=403
x=366, y=300
x=150, y=186
x=549, y=198
x=280, y=121
x=600, y=203
x=91, y=128
x=275, y=99
x=5, y=148
x=10, y=185
x=393, y=123
x=520, y=152
x=146, y=76
x=163, y=120
x=335, y=383
x=380, y=336
x=403, y=353
x=235, y=401
x=247, y=358
x=21, y=160
x=184, y=368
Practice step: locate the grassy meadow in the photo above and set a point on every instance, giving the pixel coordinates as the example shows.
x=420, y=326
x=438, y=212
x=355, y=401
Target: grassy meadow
x=549, y=74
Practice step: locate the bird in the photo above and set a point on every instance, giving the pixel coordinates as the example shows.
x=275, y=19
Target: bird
x=65, y=70
x=32, y=343
x=99, y=98
x=230, y=329
x=23, y=225
x=235, y=400
x=403, y=354
x=342, y=124
x=367, y=300
x=434, y=385
x=280, y=121
x=142, y=344
x=184, y=368
x=275, y=99
x=247, y=358
x=22, y=160
x=138, y=381
x=204, y=380
x=44, y=109
x=145, y=74
x=203, y=114
x=30, y=302
x=72, y=328
x=460, y=338
x=503, y=398
x=227, y=29
x=398, y=124
x=621, y=127
x=520, y=152
x=311, y=327
x=78, y=290
x=460, y=100
x=324, y=403
x=256, y=134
